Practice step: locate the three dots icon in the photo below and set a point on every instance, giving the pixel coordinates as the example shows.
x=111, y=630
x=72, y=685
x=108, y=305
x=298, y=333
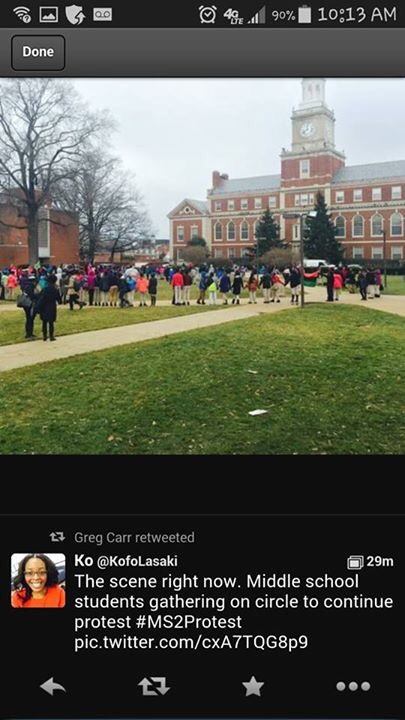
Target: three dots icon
x=353, y=686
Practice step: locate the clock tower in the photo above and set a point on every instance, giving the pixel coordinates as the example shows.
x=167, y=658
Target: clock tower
x=313, y=124
x=313, y=157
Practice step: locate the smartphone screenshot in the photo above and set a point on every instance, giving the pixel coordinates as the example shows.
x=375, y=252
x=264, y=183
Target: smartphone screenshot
x=201, y=254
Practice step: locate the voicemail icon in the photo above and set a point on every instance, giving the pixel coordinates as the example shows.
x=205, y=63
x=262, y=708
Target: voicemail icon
x=102, y=14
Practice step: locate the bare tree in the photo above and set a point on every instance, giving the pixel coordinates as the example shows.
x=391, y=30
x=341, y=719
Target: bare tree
x=129, y=225
x=111, y=213
x=196, y=254
x=282, y=257
x=43, y=128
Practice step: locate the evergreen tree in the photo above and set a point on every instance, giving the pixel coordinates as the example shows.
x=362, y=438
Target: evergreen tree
x=267, y=234
x=320, y=239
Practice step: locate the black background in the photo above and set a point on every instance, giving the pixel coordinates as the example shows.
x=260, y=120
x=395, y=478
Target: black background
x=344, y=646
x=186, y=14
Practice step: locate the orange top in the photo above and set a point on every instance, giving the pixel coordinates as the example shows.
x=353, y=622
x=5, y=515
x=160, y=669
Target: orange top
x=54, y=597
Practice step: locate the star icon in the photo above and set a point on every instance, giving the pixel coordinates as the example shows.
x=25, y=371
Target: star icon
x=253, y=686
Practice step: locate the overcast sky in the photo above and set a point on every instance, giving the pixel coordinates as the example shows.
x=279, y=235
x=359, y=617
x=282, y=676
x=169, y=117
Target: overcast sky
x=173, y=133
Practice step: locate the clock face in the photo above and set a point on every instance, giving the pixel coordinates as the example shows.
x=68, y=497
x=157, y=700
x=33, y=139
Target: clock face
x=307, y=129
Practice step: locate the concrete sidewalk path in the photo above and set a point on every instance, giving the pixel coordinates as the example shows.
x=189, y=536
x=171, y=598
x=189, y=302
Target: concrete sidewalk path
x=32, y=353
x=387, y=303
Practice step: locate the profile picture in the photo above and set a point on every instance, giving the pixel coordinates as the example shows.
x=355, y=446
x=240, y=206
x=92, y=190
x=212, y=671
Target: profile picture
x=38, y=580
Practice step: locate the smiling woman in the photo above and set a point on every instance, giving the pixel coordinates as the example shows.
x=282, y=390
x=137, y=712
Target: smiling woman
x=37, y=583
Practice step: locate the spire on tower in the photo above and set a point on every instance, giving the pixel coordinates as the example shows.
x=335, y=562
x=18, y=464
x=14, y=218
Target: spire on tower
x=313, y=93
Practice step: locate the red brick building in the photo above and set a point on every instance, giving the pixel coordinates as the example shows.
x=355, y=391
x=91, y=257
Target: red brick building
x=58, y=234
x=366, y=202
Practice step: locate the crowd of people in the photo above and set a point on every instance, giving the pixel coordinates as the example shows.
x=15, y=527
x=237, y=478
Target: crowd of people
x=46, y=286
x=366, y=280
x=116, y=285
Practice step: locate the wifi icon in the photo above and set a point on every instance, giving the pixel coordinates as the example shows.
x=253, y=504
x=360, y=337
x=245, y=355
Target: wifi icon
x=23, y=13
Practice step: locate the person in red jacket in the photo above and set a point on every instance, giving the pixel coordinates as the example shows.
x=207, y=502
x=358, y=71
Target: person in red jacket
x=177, y=284
x=37, y=584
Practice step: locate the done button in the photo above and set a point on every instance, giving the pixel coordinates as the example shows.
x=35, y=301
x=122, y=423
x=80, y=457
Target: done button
x=38, y=52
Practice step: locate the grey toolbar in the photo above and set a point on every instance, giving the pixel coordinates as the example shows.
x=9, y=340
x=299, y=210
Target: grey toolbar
x=216, y=52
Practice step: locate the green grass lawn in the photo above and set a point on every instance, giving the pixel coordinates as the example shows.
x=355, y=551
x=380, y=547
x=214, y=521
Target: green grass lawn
x=12, y=324
x=395, y=285
x=330, y=378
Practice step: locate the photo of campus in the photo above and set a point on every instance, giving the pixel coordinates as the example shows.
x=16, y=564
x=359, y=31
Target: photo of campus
x=218, y=264
x=366, y=202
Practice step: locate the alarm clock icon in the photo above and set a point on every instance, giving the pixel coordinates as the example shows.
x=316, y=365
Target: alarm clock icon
x=208, y=13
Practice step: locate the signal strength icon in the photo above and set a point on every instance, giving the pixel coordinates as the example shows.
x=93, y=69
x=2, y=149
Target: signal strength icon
x=259, y=18
x=23, y=13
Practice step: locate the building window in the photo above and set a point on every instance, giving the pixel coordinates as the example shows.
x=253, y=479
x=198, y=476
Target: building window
x=218, y=252
x=231, y=204
x=396, y=192
x=180, y=233
x=257, y=228
x=304, y=168
x=244, y=231
x=218, y=231
x=244, y=204
x=358, y=253
x=218, y=205
x=231, y=231
x=358, y=195
x=376, y=225
x=194, y=231
x=376, y=253
x=304, y=199
x=231, y=253
x=272, y=201
x=396, y=224
x=340, y=225
x=339, y=196
x=396, y=253
x=376, y=193
x=258, y=203
x=358, y=226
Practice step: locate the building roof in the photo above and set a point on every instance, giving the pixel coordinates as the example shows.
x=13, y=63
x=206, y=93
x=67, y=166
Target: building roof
x=252, y=184
x=266, y=183
x=199, y=204
x=371, y=171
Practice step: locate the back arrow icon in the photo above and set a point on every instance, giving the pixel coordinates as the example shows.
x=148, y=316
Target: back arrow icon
x=50, y=686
